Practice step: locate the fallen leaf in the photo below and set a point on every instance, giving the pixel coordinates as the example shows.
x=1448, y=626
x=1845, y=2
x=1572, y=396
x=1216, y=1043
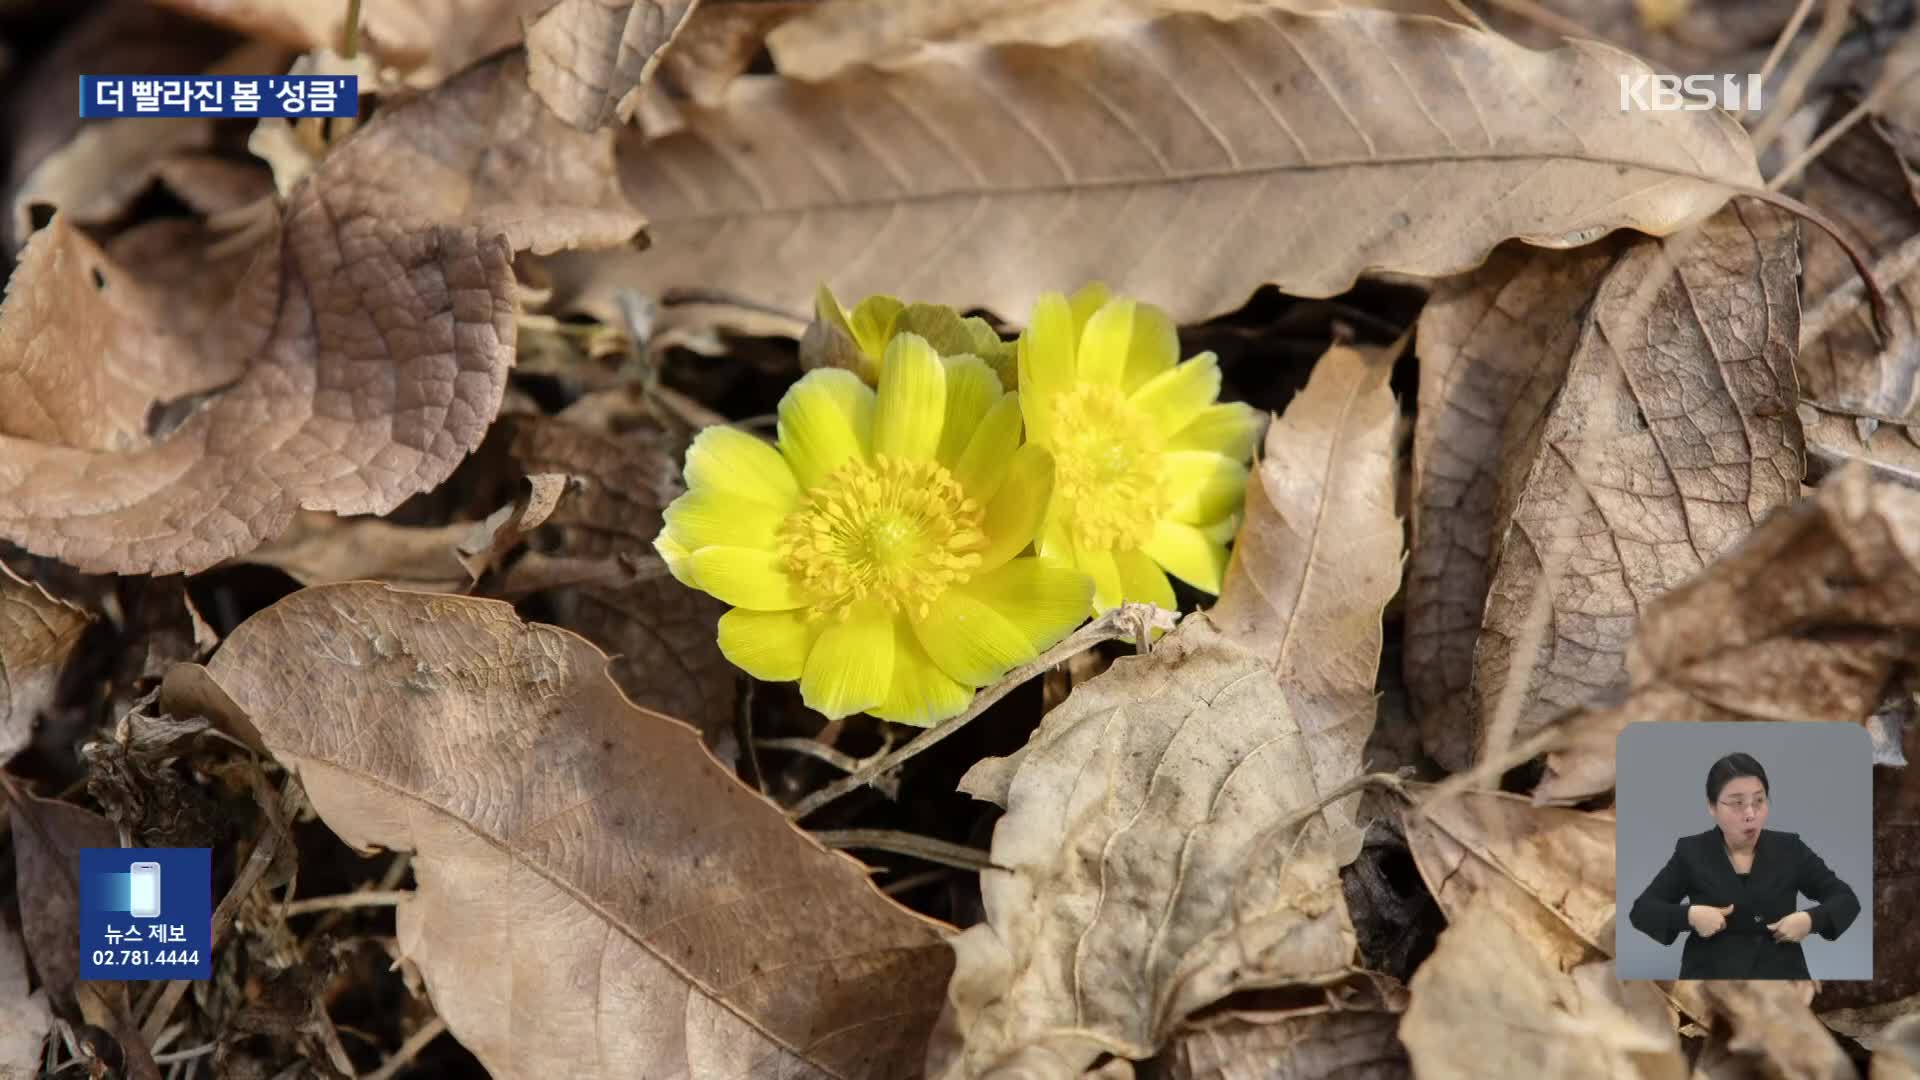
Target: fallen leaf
x=711, y=936
x=47, y=838
x=1151, y=867
x=1547, y=871
x=1861, y=182
x=1711, y=37
x=838, y=34
x=1318, y=558
x=38, y=634
x=1899, y=1056
x=1804, y=620
x=1767, y=1027
x=107, y=165
x=25, y=1019
x=1494, y=347
x=427, y=39
x=1373, y=142
x=587, y=59
x=663, y=636
x=321, y=549
x=1486, y=990
x=393, y=257
x=1360, y=1045
x=489, y=541
x=1672, y=435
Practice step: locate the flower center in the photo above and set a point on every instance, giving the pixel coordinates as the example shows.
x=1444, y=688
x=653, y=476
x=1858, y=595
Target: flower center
x=893, y=530
x=1107, y=468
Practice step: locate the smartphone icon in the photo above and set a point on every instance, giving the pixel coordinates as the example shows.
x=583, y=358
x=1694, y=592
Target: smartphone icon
x=145, y=893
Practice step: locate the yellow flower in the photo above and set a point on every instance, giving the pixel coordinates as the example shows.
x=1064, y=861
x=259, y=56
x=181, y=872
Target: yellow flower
x=875, y=554
x=1149, y=471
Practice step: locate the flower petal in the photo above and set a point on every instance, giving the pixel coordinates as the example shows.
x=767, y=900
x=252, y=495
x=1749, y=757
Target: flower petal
x=921, y=694
x=826, y=420
x=1088, y=299
x=1014, y=515
x=1188, y=554
x=751, y=578
x=1174, y=398
x=740, y=466
x=1055, y=543
x=972, y=389
x=984, y=628
x=769, y=645
x=872, y=322
x=1046, y=359
x=1106, y=577
x=850, y=667
x=1231, y=428
x=1125, y=344
x=1142, y=581
x=1205, y=486
x=982, y=467
x=912, y=405
x=674, y=554
x=705, y=517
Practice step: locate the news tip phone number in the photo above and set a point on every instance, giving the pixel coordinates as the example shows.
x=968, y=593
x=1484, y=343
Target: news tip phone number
x=144, y=957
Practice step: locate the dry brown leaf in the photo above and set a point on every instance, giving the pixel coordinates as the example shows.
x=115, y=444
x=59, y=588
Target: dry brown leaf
x=1899, y=1056
x=588, y=59
x=1494, y=347
x=1187, y=160
x=1768, y=1028
x=47, y=838
x=25, y=1019
x=1805, y=620
x=1485, y=991
x=427, y=39
x=38, y=634
x=1359, y=1045
x=708, y=935
x=1672, y=434
x=662, y=635
x=1318, y=558
x=1861, y=182
x=109, y=163
x=321, y=549
x=1151, y=866
x=483, y=150
x=1548, y=871
x=369, y=338
x=1694, y=36
x=837, y=34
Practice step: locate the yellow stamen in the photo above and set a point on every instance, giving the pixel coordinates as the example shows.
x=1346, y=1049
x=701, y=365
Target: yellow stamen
x=897, y=531
x=1107, y=468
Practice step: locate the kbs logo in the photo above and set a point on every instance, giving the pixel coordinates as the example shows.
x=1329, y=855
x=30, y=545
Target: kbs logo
x=1695, y=93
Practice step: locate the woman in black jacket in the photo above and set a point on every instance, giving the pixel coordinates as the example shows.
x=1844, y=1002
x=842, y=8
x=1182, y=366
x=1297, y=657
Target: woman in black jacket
x=1734, y=887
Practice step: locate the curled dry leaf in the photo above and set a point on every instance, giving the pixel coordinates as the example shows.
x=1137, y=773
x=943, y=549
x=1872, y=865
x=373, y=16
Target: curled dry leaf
x=363, y=353
x=47, y=838
x=838, y=34
x=321, y=549
x=1359, y=1045
x=1384, y=142
x=489, y=541
x=427, y=39
x=663, y=636
x=1160, y=854
x=38, y=634
x=1547, y=871
x=710, y=936
x=1485, y=990
x=1671, y=436
x=588, y=59
x=25, y=1019
x=1899, y=1055
x=1805, y=620
x=1767, y=1027
x=1318, y=558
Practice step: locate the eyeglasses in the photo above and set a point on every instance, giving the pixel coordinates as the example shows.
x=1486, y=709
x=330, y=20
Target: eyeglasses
x=1740, y=805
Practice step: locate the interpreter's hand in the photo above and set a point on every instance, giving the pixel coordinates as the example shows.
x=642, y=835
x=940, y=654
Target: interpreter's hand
x=1706, y=920
x=1793, y=927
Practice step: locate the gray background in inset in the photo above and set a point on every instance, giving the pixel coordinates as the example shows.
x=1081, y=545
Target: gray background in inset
x=1821, y=780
